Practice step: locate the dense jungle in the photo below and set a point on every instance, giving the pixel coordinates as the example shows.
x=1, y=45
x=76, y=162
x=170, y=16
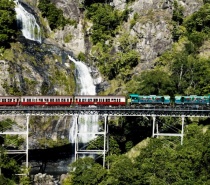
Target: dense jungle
x=149, y=47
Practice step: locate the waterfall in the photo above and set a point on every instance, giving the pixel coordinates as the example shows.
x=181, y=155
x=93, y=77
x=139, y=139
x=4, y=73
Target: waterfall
x=87, y=123
x=27, y=22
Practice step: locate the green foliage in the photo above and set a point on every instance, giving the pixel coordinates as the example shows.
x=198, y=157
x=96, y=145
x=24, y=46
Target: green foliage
x=67, y=38
x=81, y=56
x=197, y=25
x=9, y=168
x=134, y=20
x=188, y=71
x=98, y=144
x=62, y=79
x=6, y=124
x=13, y=140
x=122, y=171
x=50, y=143
x=8, y=25
x=178, y=14
x=121, y=63
x=190, y=74
x=31, y=85
x=105, y=21
x=162, y=162
x=7, y=181
x=86, y=171
x=177, y=20
x=54, y=15
x=206, y=1
x=153, y=82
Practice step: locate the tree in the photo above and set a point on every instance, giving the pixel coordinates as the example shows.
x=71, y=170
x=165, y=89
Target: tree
x=155, y=82
x=86, y=171
x=8, y=25
x=53, y=14
x=122, y=172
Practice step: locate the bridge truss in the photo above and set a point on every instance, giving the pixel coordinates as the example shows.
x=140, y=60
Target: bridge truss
x=106, y=112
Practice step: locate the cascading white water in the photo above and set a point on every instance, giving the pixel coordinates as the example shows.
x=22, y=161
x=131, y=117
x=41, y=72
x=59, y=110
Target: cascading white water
x=86, y=123
x=29, y=27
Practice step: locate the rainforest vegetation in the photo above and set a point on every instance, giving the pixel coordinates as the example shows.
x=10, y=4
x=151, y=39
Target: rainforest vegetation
x=8, y=25
x=180, y=70
x=184, y=69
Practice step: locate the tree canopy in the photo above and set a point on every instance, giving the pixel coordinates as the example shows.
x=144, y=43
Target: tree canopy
x=8, y=25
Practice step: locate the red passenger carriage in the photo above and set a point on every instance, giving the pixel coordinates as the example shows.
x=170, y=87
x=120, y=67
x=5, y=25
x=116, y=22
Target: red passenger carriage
x=46, y=100
x=9, y=100
x=87, y=100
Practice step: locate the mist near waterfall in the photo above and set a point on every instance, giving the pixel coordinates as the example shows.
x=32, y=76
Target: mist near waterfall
x=87, y=123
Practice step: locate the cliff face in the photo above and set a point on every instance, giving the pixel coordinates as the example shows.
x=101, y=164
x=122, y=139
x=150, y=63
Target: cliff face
x=152, y=28
x=32, y=68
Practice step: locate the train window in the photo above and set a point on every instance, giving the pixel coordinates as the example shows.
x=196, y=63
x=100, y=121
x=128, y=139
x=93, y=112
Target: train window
x=76, y=99
x=51, y=100
x=4, y=100
x=67, y=100
x=70, y=99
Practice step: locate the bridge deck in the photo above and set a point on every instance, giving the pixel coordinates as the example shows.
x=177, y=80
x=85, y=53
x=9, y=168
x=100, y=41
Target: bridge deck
x=110, y=111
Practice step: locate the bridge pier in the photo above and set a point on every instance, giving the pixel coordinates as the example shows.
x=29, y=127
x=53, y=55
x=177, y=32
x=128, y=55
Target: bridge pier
x=24, y=133
x=157, y=133
x=104, y=133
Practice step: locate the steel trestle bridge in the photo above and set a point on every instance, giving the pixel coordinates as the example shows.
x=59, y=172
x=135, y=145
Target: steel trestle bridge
x=104, y=111
x=110, y=111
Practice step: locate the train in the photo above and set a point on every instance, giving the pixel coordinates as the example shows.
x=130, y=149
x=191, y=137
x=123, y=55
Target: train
x=177, y=101
x=109, y=100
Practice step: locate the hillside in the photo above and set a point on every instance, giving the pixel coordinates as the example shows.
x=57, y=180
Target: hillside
x=146, y=47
